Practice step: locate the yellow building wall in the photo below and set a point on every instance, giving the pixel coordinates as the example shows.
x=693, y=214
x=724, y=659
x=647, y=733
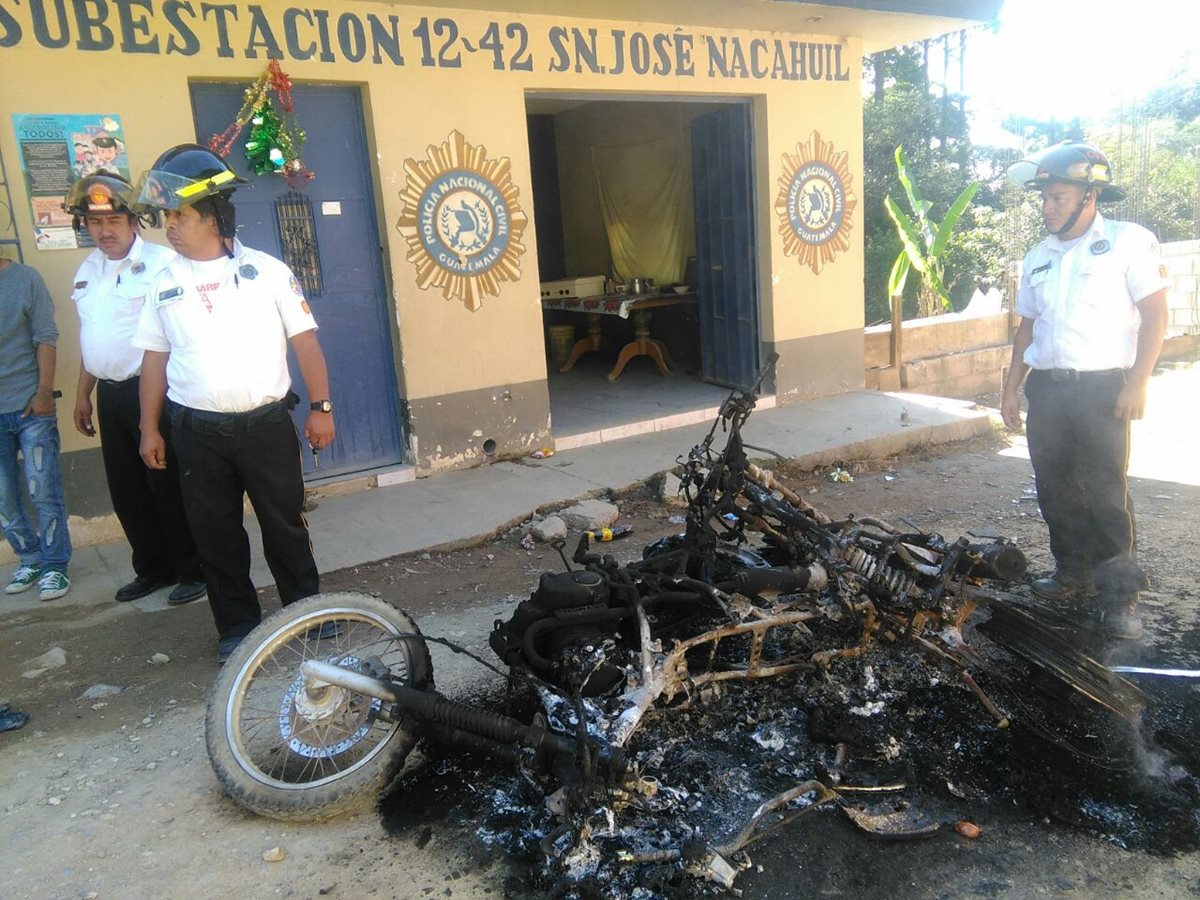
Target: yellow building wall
x=445, y=348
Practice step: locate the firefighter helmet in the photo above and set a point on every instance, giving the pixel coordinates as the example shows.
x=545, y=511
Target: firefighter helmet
x=99, y=193
x=184, y=174
x=1073, y=162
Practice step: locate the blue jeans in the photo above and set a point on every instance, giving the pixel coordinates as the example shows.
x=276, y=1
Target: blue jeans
x=37, y=439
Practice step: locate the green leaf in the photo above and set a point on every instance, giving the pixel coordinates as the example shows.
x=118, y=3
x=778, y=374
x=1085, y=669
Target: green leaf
x=957, y=208
x=910, y=188
x=919, y=205
x=908, y=234
x=898, y=276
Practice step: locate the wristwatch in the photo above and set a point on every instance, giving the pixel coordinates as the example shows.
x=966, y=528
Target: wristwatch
x=325, y=406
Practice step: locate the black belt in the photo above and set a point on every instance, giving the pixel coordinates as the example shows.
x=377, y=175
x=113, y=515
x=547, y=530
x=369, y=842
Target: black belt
x=122, y=381
x=1077, y=375
x=207, y=422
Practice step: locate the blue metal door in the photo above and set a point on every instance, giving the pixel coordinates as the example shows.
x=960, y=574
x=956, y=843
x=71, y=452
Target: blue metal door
x=722, y=178
x=351, y=307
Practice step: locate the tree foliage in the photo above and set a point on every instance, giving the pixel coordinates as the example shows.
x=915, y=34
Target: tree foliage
x=1154, y=147
x=924, y=241
x=939, y=157
x=1154, y=150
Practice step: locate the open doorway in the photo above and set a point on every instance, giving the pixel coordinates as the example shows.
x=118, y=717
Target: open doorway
x=644, y=215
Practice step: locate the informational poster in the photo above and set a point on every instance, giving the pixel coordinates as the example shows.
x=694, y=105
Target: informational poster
x=57, y=150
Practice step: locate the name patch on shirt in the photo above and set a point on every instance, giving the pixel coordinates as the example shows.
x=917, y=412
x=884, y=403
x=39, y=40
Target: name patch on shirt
x=165, y=297
x=80, y=285
x=1044, y=267
x=1100, y=247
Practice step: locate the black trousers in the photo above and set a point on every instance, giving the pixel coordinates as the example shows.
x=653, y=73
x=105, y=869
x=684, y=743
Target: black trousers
x=1080, y=453
x=224, y=458
x=148, y=502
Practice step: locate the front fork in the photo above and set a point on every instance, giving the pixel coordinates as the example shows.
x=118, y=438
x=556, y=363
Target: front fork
x=475, y=729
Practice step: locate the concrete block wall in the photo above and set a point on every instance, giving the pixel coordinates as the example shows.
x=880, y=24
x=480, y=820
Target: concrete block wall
x=1182, y=259
x=936, y=336
x=952, y=355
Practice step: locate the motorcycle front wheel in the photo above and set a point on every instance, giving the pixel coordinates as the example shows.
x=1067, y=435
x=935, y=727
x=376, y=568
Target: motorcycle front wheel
x=288, y=750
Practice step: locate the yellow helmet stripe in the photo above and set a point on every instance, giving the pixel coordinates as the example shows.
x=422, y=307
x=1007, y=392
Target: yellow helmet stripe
x=207, y=184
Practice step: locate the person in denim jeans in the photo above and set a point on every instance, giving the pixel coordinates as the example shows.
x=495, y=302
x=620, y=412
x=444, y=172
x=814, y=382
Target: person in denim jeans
x=28, y=424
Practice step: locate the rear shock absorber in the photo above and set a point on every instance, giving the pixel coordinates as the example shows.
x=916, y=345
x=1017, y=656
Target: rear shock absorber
x=877, y=573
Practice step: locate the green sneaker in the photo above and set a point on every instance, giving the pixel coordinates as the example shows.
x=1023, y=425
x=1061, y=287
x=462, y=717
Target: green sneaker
x=53, y=585
x=23, y=579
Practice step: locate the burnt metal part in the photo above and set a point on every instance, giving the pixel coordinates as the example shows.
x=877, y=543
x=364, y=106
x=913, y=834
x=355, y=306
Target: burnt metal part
x=1017, y=629
x=432, y=707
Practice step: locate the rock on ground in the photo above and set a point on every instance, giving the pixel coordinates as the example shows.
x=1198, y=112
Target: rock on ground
x=669, y=491
x=589, y=515
x=549, y=528
x=54, y=658
x=96, y=691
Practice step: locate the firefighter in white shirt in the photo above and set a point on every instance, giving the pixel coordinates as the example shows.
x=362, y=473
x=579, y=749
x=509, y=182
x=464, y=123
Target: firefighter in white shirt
x=1094, y=312
x=216, y=330
x=110, y=290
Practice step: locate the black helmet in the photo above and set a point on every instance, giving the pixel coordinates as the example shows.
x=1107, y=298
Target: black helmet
x=184, y=174
x=1073, y=162
x=105, y=193
x=99, y=193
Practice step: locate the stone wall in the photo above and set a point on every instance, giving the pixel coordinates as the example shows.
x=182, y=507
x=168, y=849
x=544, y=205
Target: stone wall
x=951, y=355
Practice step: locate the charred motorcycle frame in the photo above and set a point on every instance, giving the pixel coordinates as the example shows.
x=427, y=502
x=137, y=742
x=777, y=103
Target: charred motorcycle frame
x=321, y=704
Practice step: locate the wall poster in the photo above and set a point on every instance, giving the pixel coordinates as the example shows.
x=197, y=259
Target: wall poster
x=55, y=151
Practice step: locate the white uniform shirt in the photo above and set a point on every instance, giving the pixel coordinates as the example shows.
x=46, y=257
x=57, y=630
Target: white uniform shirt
x=1083, y=298
x=227, y=333
x=109, y=296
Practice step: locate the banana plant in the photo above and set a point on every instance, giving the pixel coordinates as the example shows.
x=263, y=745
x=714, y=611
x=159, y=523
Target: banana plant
x=924, y=242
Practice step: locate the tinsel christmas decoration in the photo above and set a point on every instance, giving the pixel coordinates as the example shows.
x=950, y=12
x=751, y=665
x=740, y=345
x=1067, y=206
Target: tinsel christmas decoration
x=264, y=145
x=276, y=138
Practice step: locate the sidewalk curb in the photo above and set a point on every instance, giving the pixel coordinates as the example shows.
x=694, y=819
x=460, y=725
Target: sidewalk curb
x=466, y=508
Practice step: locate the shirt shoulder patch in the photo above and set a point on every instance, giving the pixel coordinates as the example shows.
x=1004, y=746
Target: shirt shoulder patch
x=295, y=286
x=168, y=295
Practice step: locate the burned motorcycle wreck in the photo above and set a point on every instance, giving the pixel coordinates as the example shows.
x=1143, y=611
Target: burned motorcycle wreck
x=321, y=705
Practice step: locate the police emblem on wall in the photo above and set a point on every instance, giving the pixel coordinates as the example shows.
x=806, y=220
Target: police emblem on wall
x=462, y=221
x=815, y=205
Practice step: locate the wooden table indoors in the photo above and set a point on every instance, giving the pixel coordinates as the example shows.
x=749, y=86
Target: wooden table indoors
x=638, y=306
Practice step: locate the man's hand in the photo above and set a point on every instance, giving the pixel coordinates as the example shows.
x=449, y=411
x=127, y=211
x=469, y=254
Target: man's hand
x=153, y=449
x=1010, y=402
x=83, y=416
x=1131, y=402
x=319, y=430
x=1010, y=411
x=40, y=404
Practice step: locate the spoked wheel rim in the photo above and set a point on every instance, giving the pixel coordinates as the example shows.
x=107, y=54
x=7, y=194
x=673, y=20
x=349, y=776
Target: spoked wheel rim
x=286, y=736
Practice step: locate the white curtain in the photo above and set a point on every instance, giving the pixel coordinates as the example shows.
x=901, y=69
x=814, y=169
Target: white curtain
x=646, y=195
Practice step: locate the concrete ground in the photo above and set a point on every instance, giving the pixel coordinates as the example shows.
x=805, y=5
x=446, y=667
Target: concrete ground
x=464, y=506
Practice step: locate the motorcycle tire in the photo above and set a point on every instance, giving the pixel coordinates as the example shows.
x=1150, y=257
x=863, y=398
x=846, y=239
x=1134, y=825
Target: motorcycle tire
x=286, y=753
